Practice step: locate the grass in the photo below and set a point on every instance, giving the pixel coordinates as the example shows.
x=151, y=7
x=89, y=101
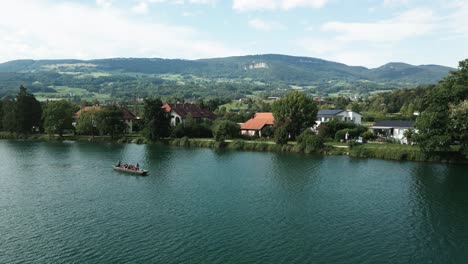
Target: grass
x=66, y=92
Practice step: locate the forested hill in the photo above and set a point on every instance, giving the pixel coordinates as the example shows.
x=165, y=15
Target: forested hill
x=270, y=71
x=297, y=70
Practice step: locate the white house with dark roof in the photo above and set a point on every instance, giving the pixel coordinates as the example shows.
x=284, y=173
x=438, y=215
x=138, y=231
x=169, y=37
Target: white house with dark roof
x=392, y=129
x=180, y=112
x=328, y=115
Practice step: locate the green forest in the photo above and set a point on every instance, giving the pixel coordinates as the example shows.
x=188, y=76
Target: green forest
x=256, y=77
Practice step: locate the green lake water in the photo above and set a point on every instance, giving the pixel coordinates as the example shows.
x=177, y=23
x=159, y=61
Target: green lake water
x=63, y=203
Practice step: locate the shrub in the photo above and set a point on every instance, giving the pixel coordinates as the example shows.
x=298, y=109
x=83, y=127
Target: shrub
x=225, y=129
x=308, y=142
x=367, y=135
x=329, y=130
x=192, y=130
x=267, y=131
x=281, y=135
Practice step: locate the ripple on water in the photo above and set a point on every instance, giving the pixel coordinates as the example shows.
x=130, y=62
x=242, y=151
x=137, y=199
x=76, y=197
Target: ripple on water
x=64, y=205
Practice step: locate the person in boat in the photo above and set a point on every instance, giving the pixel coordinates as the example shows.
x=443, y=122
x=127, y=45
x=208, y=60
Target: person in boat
x=137, y=166
x=118, y=163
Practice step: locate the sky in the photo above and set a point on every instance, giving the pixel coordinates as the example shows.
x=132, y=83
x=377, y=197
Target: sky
x=366, y=33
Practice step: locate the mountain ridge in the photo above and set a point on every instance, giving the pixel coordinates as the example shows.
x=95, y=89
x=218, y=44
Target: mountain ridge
x=32, y=61
x=237, y=76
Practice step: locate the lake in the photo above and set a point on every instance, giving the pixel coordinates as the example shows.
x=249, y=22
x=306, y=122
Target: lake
x=63, y=203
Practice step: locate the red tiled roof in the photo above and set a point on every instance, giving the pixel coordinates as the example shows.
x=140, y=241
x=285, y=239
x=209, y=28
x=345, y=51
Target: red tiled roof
x=127, y=115
x=87, y=108
x=183, y=110
x=258, y=121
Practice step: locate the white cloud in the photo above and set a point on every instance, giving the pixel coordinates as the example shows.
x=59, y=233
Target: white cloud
x=395, y=2
x=249, y=5
x=372, y=43
x=458, y=20
x=140, y=8
x=181, y=2
x=104, y=3
x=204, y=2
x=266, y=26
x=79, y=31
x=410, y=24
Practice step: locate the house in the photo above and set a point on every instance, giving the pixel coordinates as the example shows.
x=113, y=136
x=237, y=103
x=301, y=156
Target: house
x=324, y=116
x=180, y=112
x=255, y=125
x=128, y=117
x=392, y=129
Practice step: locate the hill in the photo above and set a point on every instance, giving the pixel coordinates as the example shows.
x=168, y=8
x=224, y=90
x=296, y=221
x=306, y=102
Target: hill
x=260, y=75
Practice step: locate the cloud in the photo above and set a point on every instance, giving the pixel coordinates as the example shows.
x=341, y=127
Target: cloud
x=181, y=2
x=140, y=8
x=370, y=43
x=86, y=32
x=394, y=2
x=409, y=24
x=104, y=3
x=458, y=20
x=249, y=5
x=266, y=26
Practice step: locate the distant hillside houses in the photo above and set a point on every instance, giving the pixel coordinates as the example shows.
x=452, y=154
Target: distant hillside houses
x=328, y=115
x=180, y=112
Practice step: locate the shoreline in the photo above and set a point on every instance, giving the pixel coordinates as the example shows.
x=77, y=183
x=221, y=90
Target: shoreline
x=387, y=151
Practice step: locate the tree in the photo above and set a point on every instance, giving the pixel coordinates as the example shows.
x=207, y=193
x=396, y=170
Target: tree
x=9, y=115
x=459, y=124
x=1, y=115
x=281, y=134
x=110, y=121
x=86, y=122
x=58, y=116
x=225, y=129
x=28, y=111
x=309, y=142
x=267, y=131
x=297, y=111
x=156, y=120
x=434, y=125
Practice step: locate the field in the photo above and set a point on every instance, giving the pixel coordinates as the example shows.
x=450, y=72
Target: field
x=65, y=92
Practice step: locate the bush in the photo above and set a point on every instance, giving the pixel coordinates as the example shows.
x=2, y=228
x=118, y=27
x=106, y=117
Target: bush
x=367, y=135
x=308, y=142
x=281, y=135
x=352, y=133
x=192, y=130
x=225, y=129
x=329, y=130
x=267, y=131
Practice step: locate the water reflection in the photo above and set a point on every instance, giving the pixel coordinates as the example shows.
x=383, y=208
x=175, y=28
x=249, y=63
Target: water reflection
x=439, y=205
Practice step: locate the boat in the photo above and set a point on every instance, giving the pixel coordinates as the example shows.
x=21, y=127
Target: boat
x=134, y=171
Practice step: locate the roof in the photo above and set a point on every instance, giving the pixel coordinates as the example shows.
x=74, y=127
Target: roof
x=393, y=123
x=259, y=121
x=86, y=109
x=329, y=112
x=127, y=115
x=183, y=110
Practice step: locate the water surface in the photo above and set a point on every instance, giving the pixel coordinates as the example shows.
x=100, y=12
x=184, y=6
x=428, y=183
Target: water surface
x=62, y=203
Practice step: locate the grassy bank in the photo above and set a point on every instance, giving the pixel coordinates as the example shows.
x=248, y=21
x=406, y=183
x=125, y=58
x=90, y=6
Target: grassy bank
x=377, y=151
x=397, y=152
x=135, y=138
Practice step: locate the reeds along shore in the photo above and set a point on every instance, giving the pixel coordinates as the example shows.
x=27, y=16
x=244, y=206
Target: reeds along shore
x=378, y=151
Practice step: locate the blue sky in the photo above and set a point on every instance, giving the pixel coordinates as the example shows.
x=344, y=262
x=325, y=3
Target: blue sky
x=363, y=32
